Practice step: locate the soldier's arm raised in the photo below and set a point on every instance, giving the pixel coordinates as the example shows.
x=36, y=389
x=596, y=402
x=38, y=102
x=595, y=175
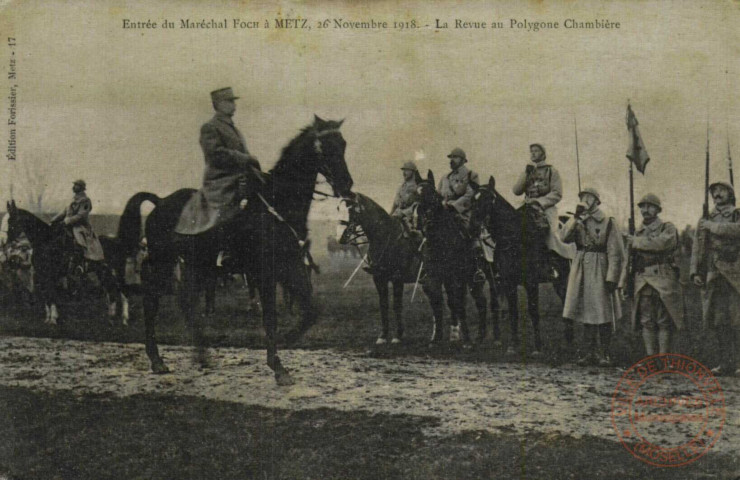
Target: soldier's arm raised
x=667, y=240
x=567, y=233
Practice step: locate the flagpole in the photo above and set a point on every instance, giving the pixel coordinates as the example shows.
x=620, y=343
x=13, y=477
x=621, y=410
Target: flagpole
x=630, y=257
x=578, y=162
x=729, y=159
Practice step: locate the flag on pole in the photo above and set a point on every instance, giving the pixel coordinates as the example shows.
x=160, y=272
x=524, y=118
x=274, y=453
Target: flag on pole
x=636, y=151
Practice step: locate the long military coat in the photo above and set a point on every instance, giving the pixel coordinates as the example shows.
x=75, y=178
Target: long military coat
x=226, y=158
x=723, y=258
x=541, y=182
x=76, y=217
x=652, y=242
x=587, y=300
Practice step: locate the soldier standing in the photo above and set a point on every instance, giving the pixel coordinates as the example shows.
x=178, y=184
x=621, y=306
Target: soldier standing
x=591, y=298
x=658, y=303
x=721, y=300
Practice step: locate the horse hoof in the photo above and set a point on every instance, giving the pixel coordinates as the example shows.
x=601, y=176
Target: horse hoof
x=454, y=334
x=510, y=351
x=125, y=322
x=381, y=341
x=159, y=368
x=497, y=343
x=284, y=379
x=536, y=354
x=396, y=341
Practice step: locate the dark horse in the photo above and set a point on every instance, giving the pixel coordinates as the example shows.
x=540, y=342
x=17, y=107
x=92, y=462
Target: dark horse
x=390, y=254
x=448, y=260
x=51, y=247
x=520, y=257
x=267, y=238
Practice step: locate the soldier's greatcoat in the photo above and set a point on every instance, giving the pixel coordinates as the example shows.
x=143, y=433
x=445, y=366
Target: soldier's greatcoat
x=76, y=217
x=654, y=246
x=456, y=190
x=541, y=181
x=723, y=260
x=599, y=258
x=226, y=158
x=406, y=198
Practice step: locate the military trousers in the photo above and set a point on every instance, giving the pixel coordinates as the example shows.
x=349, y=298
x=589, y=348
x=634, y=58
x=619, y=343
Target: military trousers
x=651, y=311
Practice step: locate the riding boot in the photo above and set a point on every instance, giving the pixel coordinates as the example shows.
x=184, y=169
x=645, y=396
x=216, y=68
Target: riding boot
x=664, y=339
x=568, y=332
x=605, y=337
x=649, y=339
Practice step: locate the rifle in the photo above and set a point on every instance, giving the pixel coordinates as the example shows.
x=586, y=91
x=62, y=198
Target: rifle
x=630, y=287
x=701, y=234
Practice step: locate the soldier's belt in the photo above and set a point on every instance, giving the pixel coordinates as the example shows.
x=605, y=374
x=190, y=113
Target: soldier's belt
x=654, y=269
x=592, y=248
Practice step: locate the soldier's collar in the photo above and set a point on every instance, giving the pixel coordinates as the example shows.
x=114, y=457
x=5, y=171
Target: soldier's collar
x=541, y=164
x=224, y=118
x=724, y=210
x=80, y=196
x=652, y=226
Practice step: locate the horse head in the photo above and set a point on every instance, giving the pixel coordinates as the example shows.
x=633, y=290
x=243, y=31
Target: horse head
x=353, y=226
x=21, y=221
x=483, y=202
x=329, y=147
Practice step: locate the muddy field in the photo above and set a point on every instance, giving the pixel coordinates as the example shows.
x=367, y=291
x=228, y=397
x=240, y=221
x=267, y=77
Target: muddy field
x=80, y=402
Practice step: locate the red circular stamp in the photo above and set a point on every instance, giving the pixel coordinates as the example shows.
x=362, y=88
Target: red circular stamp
x=668, y=410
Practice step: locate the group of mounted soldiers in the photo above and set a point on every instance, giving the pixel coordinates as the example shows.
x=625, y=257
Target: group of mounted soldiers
x=601, y=255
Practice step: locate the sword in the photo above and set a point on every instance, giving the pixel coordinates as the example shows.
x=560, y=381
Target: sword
x=357, y=269
x=416, y=285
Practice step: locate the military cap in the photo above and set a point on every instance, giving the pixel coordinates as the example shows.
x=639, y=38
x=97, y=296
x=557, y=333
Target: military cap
x=539, y=145
x=222, y=94
x=457, y=152
x=592, y=191
x=80, y=183
x=651, y=199
x=410, y=166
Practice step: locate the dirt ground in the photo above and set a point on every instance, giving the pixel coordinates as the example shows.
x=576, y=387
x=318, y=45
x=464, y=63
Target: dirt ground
x=456, y=400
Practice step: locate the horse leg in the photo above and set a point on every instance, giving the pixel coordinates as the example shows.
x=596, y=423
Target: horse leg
x=151, y=306
x=398, y=309
x=461, y=296
x=381, y=285
x=193, y=278
x=124, y=309
x=512, y=298
x=481, y=304
x=210, y=287
x=433, y=290
x=533, y=303
x=269, y=320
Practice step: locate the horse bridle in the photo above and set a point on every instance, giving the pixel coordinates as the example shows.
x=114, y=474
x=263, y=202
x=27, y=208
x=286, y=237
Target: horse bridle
x=318, y=148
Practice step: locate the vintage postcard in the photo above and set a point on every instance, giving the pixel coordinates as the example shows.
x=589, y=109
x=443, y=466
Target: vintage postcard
x=369, y=240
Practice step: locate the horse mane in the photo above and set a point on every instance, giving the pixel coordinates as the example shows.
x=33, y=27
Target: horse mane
x=371, y=204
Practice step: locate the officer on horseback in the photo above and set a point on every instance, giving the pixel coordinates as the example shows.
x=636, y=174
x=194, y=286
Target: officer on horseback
x=542, y=188
x=229, y=169
x=77, y=226
x=406, y=197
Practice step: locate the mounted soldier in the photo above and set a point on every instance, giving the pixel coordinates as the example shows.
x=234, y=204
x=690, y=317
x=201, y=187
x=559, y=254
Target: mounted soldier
x=457, y=193
x=658, y=304
x=406, y=197
x=542, y=188
x=75, y=219
x=230, y=171
x=591, y=296
x=721, y=281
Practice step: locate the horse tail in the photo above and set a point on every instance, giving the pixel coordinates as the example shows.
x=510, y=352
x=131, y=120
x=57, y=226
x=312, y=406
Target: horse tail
x=129, y=226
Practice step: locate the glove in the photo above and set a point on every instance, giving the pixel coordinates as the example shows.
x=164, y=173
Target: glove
x=611, y=287
x=66, y=221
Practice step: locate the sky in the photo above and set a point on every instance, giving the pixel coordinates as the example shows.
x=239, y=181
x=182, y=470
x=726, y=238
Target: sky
x=122, y=108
